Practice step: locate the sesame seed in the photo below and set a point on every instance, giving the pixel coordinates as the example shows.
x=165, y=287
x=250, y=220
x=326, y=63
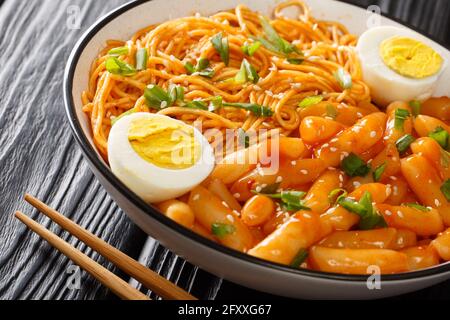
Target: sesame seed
x=356, y=184
x=400, y=214
x=258, y=189
x=230, y=218
x=237, y=195
x=294, y=163
x=163, y=104
x=225, y=204
x=196, y=197
x=333, y=149
x=393, y=178
x=279, y=179
x=305, y=172
x=373, y=134
x=437, y=202
x=388, y=213
x=315, y=26
x=307, y=216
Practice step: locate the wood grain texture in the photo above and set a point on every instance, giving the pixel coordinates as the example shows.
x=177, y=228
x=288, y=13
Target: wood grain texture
x=39, y=155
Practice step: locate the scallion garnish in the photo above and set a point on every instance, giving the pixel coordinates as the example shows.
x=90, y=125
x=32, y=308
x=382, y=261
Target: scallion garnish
x=400, y=117
x=256, y=109
x=369, y=218
x=270, y=189
x=202, y=68
x=243, y=138
x=336, y=195
x=310, y=101
x=190, y=68
x=417, y=206
x=416, y=107
x=354, y=166
x=404, y=142
x=291, y=200
x=343, y=78
x=247, y=73
x=250, y=49
x=222, y=230
x=141, y=59
x=222, y=47
x=176, y=93
x=157, y=98
x=119, y=51
x=379, y=172
x=295, y=60
x=445, y=189
x=216, y=103
x=196, y=104
x=274, y=42
x=119, y=67
x=441, y=136
x=301, y=257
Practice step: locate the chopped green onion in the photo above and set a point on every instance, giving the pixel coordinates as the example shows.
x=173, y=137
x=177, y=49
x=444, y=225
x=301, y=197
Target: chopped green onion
x=379, y=172
x=129, y=112
x=196, y=104
x=119, y=67
x=400, y=117
x=369, y=218
x=445, y=189
x=157, y=98
x=254, y=108
x=352, y=206
x=274, y=42
x=416, y=107
x=222, y=47
x=301, y=257
x=310, y=101
x=216, y=103
x=141, y=59
x=295, y=60
x=202, y=64
x=441, y=136
x=270, y=189
x=404, y=142
x=222, y=230
x=247, y=73
x=176, y=93
x=343, y=78
x=332, y=112
x=202, y=68
x=354, y=166
x=291, y=200
x=243, y=138
x=189, y=68
x=417, y=206
x=250, y=49
x=120, y=51
x=336, y=195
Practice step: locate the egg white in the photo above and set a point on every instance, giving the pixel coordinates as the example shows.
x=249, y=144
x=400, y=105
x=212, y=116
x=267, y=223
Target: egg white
x=152, y=183
x=387, y=85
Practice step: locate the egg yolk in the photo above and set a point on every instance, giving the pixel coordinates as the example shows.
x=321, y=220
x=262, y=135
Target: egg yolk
x=410, y=58
x=164, y=143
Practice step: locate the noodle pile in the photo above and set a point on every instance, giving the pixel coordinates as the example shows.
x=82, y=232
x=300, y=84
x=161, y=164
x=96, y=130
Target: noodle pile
x=326, y=46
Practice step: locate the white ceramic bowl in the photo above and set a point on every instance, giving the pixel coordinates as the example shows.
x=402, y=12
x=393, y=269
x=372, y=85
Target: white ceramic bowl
x=234, y=266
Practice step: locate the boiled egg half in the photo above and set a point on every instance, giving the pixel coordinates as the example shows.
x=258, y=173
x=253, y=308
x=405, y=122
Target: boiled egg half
x=399, y=65
x=157, y=157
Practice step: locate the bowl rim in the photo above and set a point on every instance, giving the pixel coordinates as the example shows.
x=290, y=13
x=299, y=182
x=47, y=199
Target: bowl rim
x=151, y=211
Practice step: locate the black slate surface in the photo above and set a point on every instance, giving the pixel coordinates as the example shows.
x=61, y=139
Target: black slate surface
x=39, y=155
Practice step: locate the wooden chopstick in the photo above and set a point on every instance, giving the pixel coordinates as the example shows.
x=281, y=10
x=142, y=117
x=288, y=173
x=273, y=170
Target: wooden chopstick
x=147, y=277
x=107, y=278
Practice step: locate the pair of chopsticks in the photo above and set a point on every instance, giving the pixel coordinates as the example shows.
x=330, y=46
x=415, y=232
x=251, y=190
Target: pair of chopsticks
x=122, y=289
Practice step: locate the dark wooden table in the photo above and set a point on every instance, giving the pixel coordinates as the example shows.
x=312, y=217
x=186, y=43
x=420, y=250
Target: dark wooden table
x=39, y=155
